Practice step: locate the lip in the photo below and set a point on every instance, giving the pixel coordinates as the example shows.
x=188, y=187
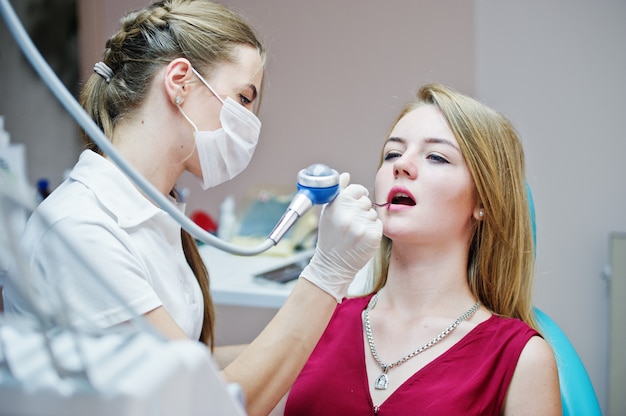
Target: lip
x=399, y=190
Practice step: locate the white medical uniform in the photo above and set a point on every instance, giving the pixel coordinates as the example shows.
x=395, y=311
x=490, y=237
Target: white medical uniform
x=98, y=226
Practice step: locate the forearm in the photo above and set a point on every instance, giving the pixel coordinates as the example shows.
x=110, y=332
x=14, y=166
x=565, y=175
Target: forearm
x=269, y=366
x=225, y=355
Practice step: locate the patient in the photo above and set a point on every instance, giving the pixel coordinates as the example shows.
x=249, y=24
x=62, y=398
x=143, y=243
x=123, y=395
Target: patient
x=448, y=328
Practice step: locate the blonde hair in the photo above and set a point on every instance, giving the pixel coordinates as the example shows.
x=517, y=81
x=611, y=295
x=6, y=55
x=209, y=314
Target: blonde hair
x=203, y=32
x=501, y=260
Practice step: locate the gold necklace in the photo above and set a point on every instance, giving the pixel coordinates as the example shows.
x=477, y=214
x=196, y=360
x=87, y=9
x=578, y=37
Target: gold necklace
x=382, y=382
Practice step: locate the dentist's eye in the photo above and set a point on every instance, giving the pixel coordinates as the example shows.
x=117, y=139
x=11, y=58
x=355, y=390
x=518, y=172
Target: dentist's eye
x=244, y=100
x=391, y=155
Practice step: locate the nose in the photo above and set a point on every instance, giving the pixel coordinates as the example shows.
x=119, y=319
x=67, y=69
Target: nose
x=404, y=167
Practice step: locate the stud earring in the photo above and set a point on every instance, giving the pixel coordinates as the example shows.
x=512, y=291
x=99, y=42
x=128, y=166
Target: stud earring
x=178, y=100
x=481, y=213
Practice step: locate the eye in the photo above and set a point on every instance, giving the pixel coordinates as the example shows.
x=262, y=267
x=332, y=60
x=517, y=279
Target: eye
x=245, y=101
x=391, y=155
x=437, y=158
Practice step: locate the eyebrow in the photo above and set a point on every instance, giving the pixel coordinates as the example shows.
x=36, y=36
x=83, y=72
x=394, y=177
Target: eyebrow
x=434, y=140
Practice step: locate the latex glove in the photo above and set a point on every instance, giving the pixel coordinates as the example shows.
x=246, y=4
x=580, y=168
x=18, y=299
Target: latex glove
x=349, y=234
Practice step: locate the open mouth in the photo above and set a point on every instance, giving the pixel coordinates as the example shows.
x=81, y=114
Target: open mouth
x=402, y=199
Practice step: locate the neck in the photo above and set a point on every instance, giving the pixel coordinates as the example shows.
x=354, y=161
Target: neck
x=428, y=278
x=149, y=143
x=152, y=140
x=142, y=149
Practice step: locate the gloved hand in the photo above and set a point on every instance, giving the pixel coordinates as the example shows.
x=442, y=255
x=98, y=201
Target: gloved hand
x=349, y=234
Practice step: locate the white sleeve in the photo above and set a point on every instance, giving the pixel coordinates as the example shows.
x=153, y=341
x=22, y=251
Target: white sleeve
x=75, y=256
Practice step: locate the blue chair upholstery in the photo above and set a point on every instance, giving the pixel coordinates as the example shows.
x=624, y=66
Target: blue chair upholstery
x=577, y=394
x=578, y=397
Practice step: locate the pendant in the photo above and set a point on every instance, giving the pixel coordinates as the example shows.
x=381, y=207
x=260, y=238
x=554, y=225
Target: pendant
x=381, y=382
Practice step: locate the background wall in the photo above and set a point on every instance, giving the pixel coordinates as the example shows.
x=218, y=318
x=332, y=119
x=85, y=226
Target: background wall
x=338, y=75
x=557, y=68
x=339, y=72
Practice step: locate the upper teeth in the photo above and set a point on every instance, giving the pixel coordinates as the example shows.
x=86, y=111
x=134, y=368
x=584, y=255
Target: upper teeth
x=402, y=198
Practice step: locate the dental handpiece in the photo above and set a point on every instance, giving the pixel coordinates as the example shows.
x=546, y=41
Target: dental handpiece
x=317, y=184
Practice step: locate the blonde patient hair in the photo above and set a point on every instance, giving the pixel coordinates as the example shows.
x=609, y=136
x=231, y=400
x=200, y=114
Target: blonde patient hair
x=501, y=259
x=203, y=32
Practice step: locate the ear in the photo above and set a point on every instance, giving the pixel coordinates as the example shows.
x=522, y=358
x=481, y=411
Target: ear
x=177, y=74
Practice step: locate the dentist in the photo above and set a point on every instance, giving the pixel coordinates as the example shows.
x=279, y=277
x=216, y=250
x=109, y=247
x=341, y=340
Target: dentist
x=174, y=92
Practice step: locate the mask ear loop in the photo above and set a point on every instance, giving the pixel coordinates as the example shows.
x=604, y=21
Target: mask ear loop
x=195, y=129
x=207, y=84
x=177, y=102
x=186, y=116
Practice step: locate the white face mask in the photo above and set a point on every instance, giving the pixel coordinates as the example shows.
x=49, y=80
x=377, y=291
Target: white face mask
x=225, y=152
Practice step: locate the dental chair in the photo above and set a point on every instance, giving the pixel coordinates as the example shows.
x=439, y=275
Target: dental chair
x=578, y=397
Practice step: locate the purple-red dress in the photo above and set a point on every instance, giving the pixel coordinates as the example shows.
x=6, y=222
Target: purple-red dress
x=470, y=378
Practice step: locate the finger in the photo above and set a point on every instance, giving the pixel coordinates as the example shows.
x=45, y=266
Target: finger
x=371, y=215
x=365, y=203
x=355, y=191
x=367, y=215
x=344, y=180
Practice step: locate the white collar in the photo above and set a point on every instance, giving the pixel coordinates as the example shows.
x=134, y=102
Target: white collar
x=114, y=190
